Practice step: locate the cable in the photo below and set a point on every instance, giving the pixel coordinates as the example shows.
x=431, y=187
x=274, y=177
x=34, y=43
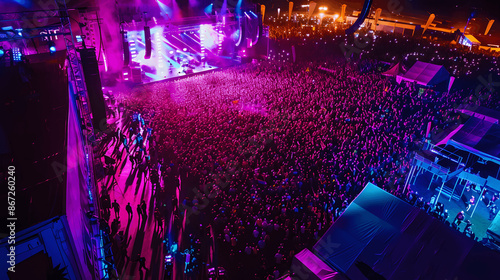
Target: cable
x=100, y=37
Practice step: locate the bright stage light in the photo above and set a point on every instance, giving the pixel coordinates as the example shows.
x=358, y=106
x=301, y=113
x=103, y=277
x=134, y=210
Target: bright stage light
x=52, y=47
x=2, y=52
x=184, y=49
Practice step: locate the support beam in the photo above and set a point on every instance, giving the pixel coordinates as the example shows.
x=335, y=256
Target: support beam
x=408, y=179
x=453, y=189
x=430, y=183
x=479, y=198
x=439, y=194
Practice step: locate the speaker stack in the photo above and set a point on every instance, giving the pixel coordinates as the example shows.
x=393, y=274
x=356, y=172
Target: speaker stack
x=94, y=88
x=147, y=37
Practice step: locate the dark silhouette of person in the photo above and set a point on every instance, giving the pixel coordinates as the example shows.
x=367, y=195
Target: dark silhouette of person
x=144, y=210
x=142, y=263
x=116, y=207
x=139, y=211
x=129, y=210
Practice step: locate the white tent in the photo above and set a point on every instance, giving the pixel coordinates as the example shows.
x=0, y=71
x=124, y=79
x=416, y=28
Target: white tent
x=426, y=74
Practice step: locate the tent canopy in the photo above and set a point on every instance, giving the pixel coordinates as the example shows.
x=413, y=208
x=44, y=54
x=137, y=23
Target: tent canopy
x=392, y=239
x=426, y=74
x=307, y=265
x=480, y=112
x=472, y=39
x=479, y=137
x=394, y=71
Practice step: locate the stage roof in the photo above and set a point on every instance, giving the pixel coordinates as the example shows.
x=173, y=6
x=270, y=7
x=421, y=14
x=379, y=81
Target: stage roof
x=479, y=137
x=381, y=236
x=481, y=112
x=426, y=74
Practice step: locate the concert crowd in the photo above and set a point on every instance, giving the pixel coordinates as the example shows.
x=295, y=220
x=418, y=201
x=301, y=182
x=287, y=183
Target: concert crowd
x=272, y=153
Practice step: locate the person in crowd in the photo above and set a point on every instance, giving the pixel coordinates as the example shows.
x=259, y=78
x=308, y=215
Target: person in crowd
x=459, y=218
x=116, y=207
x=128, y=207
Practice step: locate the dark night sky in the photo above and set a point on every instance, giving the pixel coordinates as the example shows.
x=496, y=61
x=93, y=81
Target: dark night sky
x=487, y=8
x=453, y=10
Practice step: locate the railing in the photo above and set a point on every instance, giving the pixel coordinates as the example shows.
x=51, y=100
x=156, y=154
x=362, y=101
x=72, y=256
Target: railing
x=431, y=166
x=445, y=153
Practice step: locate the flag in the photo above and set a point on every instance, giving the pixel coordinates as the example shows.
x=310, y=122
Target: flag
x=312, y=6
x=263, y=12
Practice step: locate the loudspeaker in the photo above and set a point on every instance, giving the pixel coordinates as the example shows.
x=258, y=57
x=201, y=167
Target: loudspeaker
x=126, y=50
x=136, y=75
x=147, y=37
x=94, y=88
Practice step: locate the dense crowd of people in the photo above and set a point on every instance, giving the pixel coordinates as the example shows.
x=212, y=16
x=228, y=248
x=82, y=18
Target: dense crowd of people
x=274, y=152
x=267, y=155
x=433, y=47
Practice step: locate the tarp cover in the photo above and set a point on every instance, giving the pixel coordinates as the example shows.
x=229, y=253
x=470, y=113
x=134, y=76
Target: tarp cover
x=494, y=228
x=481, y=112
x=306, y=265
x=393, y=239
x=479, y=137
x=426, y=74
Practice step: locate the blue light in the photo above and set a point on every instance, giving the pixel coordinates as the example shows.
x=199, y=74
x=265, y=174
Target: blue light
x=52, y=47
x=208, y=9
x=16, y=54
x=2, y=52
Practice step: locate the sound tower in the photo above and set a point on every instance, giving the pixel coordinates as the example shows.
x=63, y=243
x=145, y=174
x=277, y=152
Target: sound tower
x=94, y=88
x=147, y=37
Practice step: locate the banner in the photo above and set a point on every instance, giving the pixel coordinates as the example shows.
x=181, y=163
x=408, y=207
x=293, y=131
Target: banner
x=377, y=16
x=342, y=13
x=450, y=84
x=312, y=6
x=290, y=8
x=429, y=21
x=263, y=12
x=428, y=132
x=490, y=23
